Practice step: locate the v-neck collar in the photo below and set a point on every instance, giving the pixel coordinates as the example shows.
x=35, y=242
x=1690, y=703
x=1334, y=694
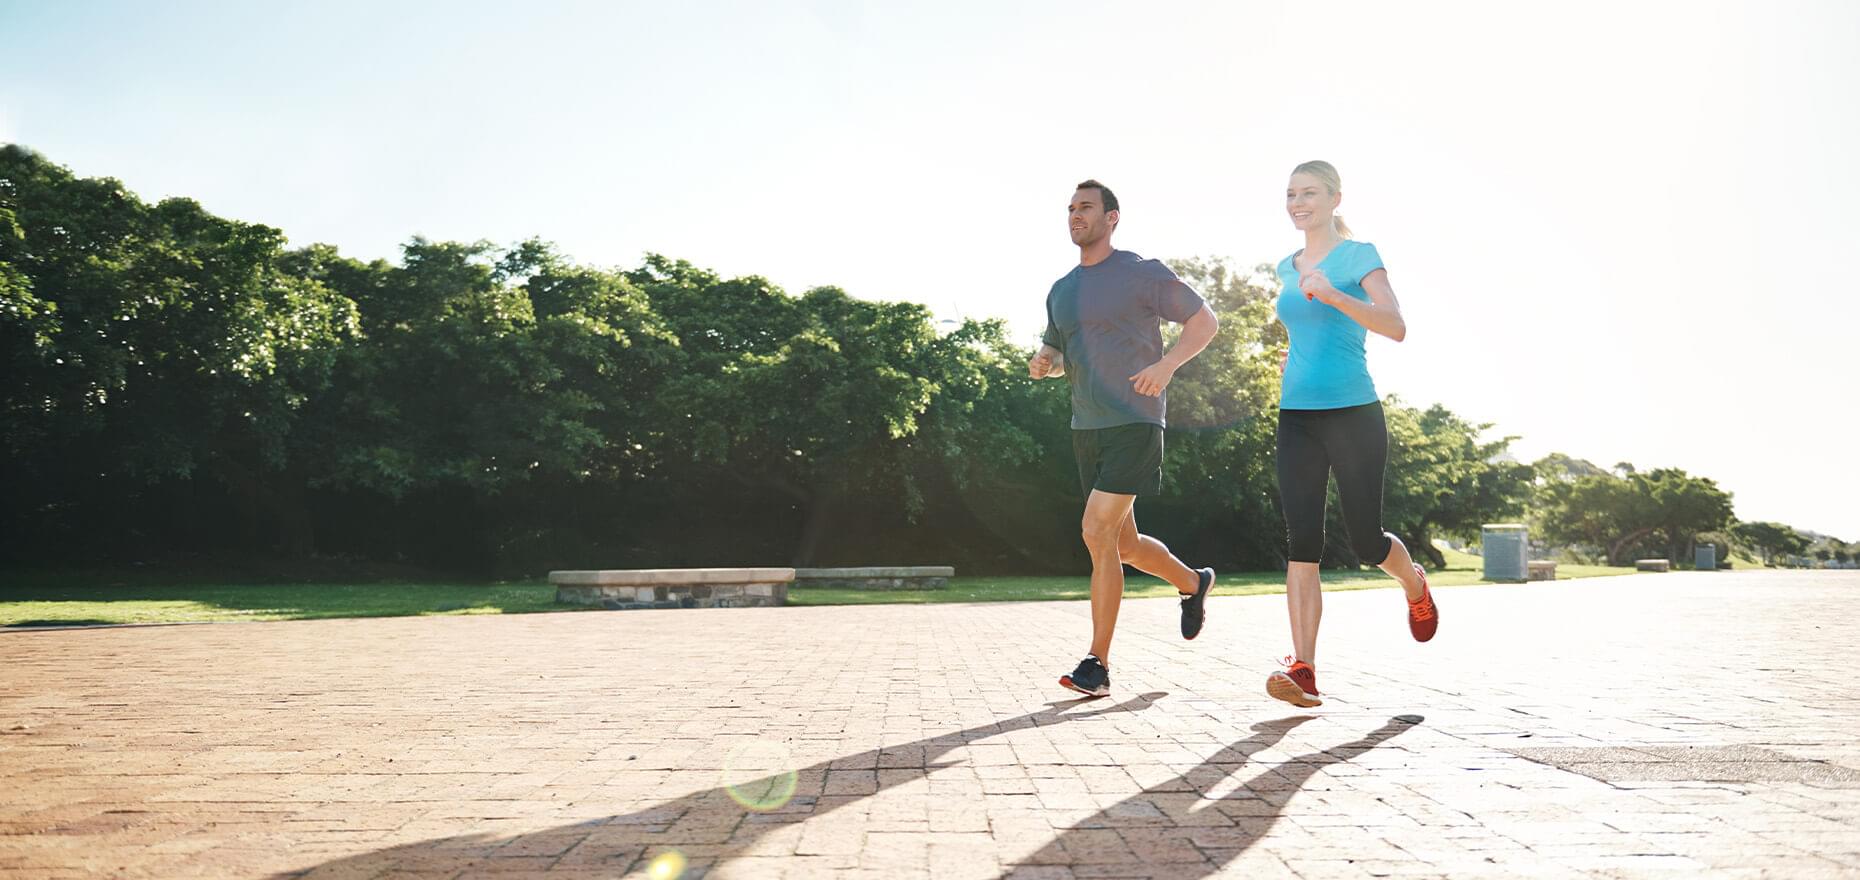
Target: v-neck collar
x=1320, y=263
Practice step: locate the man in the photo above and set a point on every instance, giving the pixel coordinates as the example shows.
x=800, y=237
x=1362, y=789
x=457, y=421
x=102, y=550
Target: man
x=1104, y=333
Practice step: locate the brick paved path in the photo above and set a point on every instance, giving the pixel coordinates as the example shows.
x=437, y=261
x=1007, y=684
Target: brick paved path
x=1657, y=725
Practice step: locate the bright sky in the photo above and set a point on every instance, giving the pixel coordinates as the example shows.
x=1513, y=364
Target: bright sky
x=1619, y=230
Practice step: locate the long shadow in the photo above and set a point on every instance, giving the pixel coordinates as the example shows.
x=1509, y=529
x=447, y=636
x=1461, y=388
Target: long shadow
x=54, y=623
x=1148, y=827
x=707, y=827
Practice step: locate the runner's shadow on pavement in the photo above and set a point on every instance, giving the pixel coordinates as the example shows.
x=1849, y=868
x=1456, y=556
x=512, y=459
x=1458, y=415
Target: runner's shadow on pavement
x=1179, y=829
x=55, y=624
x=706, y=828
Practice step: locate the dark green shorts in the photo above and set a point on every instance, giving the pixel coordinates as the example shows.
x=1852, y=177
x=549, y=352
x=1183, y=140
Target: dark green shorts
x=1123, y=460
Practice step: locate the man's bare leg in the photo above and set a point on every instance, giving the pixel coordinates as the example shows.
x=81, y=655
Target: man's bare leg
x=1105, y=514
x=1148, y=555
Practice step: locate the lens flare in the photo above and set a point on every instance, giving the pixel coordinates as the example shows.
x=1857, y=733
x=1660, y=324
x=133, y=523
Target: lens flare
x=669, y=865
x=759, y=776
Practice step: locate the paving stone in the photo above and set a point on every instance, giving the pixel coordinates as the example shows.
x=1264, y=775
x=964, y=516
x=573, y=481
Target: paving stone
x=1660, y=725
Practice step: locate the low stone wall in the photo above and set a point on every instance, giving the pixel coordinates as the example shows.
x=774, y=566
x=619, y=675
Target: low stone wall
x=1653, y=565
x=673, y=587
x=912, y=577
x=1542, y=569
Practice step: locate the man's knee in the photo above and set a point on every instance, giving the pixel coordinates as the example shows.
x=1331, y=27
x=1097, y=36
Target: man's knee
x=1128, y=541
x=1101, y=537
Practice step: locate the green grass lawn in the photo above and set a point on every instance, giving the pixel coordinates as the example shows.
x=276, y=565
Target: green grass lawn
x=66, y=598
x=63, y=600
x=1463, y=569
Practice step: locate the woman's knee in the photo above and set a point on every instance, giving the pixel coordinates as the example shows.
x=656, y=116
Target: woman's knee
x=1306, y=545
x=1374, y=549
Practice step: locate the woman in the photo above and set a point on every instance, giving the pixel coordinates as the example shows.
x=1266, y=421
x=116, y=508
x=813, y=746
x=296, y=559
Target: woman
x=1330, y=418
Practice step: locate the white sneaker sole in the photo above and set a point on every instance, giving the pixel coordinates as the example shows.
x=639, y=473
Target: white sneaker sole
x=1066, y=681
x=1280, y=686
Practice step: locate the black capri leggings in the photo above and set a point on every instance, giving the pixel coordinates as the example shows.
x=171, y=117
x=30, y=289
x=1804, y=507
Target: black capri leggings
x=1353, y=442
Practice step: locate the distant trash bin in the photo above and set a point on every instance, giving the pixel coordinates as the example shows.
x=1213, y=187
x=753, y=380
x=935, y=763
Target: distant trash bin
x=1506, y=547
x=1705, y=557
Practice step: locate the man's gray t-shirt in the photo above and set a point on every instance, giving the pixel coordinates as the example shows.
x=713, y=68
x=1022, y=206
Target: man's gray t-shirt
x=1107, y=320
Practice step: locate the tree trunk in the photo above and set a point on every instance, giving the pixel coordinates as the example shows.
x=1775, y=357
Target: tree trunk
x=1421, y=547
x=818, y=513
x=1614, y=550
x=815, y=501
x=296, y=533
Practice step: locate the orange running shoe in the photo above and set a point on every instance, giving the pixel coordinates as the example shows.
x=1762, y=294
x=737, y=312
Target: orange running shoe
x=1423, y=615
x=1297, y=684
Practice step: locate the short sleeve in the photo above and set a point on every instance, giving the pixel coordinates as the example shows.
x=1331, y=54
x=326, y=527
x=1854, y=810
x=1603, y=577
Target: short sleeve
x=1052, y=336
x=1174, y=299
x=1367, y=260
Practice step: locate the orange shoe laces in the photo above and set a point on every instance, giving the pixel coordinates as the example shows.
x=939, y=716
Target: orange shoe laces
x=1422, y=608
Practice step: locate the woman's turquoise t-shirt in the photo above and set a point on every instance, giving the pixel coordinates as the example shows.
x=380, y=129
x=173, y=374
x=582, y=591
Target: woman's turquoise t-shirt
x=1327, y=368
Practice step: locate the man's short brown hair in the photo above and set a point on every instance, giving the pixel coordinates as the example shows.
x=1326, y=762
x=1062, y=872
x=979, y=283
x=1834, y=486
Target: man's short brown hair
x=1110, y=198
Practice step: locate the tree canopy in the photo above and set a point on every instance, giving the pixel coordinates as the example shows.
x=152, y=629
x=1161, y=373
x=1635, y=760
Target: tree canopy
x=182, y=382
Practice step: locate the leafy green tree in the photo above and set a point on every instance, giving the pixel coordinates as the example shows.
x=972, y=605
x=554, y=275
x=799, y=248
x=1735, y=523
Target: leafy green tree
x=1557, y=466
x=1603, y=513
x=1828, y=548
x=169, y=341
x=1687, y=505
x=27, y=325
x=459, y=382
x=1771, y=539
x=815, y=398
x=490, y=392
x=1443, y=480
x=1221, y=485
x=1003, y=443
x=188, y=381
x=611, y=352
x=1624, y=513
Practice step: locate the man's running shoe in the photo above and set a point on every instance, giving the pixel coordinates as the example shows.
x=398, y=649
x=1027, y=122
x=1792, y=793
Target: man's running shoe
x=1195, y=605
x=1090, y=678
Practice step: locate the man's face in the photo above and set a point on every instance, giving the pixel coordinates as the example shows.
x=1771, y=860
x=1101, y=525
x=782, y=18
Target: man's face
x=1088, y=220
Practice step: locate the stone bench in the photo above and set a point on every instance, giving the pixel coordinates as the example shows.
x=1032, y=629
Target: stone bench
x=673, y=587
x=1653, y=565
x=912, y=577
x=1542, y=569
